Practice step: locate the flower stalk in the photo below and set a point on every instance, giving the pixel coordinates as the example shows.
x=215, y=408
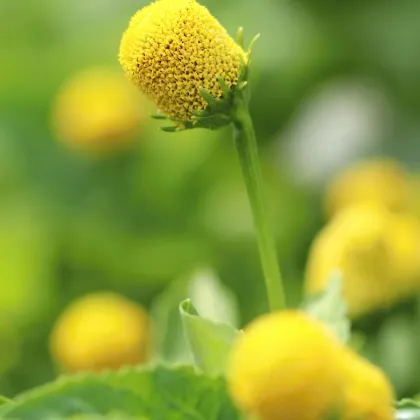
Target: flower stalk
x=247, y=150
x=185, y=61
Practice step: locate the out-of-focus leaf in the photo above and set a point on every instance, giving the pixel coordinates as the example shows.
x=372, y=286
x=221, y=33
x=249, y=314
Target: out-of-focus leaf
x=4, y=400
x=27, y=260
x=154, y=393
x=330, y=308
x=209, y=341
x=398, y=352
x=407, y=409
x=212, y=299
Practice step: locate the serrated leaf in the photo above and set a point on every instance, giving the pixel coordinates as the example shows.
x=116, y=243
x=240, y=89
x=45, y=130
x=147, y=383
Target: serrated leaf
x=154, y=393
x=330, y=308
x=210, y=341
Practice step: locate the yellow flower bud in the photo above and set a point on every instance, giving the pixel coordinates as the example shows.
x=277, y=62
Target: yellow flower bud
x=172, y=49
x=97, y=111
x=99, y=331
x=368, y=393
x=404, y=240
x=286, y=366
x=415, y=194
x=381, y=182
x=376, y=251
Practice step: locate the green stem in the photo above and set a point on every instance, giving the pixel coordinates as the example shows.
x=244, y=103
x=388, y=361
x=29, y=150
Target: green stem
x=246, y=146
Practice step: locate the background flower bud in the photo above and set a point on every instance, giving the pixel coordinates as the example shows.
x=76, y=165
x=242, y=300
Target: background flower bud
x=376, y=252
x=97, y=110
x=100, y=331
x=381, y=182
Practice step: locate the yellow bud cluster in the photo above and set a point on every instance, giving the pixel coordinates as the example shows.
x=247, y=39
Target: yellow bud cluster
x=381, y=182
x=100, y=331
x=172, y=49
x=377, y=252
x=97, y=110
x=288, y=366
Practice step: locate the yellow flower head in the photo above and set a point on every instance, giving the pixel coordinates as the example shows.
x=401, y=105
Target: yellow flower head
x=286, y=366
x=376, y=251
x=404, y=240
x=100, y=331
x=172, y=49
x=368, y=393
x=381, y=182
x=97, y=110
x=415, y=194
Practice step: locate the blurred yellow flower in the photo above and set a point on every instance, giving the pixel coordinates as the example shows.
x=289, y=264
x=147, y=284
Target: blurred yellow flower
x=377, y=252
x=286, y=366
x=404, y=238
x=100, y=331
x=368, y=393
x=383, y=182
x=172, y=48
x=415, y=194
x=97, y=111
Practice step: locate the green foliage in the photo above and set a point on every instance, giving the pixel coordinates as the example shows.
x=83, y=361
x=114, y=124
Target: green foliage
x=156, y=393
x=408, y=409
x=212, y=298
x=4, y=400
x=210, y=341
x=330, y=308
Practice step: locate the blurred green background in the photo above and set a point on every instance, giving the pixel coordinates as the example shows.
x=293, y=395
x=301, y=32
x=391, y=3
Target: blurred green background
x=333, y=80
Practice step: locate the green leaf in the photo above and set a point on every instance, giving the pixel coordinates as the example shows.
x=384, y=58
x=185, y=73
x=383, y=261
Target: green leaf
x=210, y=342
x=213, y=301
x=330, y=308
x=407, y=409
x=153, y=393
x=397, y=347
x=5, y=403
x=4, y=400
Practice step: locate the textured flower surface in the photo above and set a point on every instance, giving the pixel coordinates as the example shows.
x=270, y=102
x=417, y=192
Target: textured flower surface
x=286, y=366
x=382, y=182
x=174, y=48
x=99, y=331
x=97, y=110
x=377, y=252
x=368, y=392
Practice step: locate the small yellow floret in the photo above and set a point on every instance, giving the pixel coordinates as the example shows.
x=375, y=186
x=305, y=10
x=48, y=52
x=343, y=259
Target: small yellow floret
x=286, y=366
x=100, y=331
x=368, y=392
x=97, y=110
x=382, y=182
x=377, y=252
x=172, y=48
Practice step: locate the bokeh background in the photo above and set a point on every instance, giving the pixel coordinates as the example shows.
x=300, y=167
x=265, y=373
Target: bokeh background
x=334, y=81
